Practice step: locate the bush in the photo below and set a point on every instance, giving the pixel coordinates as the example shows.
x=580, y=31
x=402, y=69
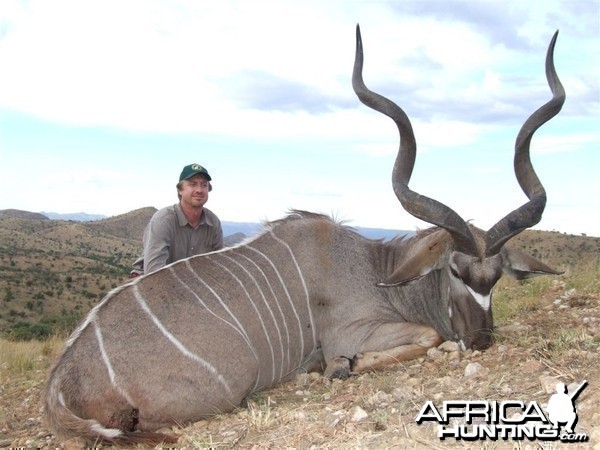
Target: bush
x=8, y=295
x=58, y=325
x=23, y=331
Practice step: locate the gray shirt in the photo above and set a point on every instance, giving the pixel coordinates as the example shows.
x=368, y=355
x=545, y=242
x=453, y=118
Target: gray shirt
x=169, y=237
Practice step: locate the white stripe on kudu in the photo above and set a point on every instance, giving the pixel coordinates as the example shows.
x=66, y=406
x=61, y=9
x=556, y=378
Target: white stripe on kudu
x=276, y=300
x=266, y=303
x=262, y=323
x=107, y=363
x=177, y=343
x=308, y=308
x=239, y=329
x=287, y=293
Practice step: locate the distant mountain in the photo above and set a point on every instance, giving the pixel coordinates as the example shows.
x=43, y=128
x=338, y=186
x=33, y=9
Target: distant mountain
x=78, y=217
x=245, y=228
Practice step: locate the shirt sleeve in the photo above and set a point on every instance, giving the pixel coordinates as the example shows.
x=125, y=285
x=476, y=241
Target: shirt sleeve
x=218, y=237
x=157, y=237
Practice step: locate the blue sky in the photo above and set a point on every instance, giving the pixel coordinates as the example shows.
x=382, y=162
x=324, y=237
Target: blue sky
x=103, y=102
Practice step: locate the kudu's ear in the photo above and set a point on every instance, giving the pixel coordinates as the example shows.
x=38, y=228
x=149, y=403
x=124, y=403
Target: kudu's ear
x=521, y=266
x=423, y=257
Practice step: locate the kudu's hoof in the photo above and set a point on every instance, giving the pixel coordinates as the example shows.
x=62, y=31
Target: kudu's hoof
x=338, y=368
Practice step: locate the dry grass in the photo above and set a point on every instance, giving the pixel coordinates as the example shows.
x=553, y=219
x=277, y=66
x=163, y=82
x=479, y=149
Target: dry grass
x=25, y=359
x=23, y=367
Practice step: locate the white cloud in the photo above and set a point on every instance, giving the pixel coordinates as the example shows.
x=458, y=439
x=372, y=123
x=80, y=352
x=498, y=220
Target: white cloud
x=238, y=75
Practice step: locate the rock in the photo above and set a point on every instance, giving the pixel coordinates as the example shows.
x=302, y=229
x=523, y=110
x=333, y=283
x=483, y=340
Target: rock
x=75, y=444
x=502, y=348
x=403, y=393
x=315, y=376
x=380, y=399
x=333, y=419
x=531, y=366
x=299, y=416
x=434, y=353
x=570, y=293
x=414, y=381
x=302, y=379
x=506, y=390
x=449, y=346
x=454, y=356
x=447, y=382
x=548, y=383
x=357, y=414
x=476, y=370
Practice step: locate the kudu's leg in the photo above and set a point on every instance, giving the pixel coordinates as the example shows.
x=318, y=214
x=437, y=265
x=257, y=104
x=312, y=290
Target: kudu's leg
x=388, y=345
x=418, y=339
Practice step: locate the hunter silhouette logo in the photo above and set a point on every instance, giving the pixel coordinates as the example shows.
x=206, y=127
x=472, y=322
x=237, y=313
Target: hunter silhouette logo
x=561, y=406
x=472, y=420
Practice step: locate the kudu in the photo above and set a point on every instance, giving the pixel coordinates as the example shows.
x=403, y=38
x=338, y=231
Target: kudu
x=195, y=338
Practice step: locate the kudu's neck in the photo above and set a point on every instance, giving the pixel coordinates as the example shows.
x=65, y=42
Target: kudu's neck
x=425, y=300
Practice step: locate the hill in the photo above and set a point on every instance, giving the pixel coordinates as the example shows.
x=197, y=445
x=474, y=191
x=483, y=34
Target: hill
x=79, y=217
x=53, y=271
x=126, y=226
x=559, y=250
x=21, y=214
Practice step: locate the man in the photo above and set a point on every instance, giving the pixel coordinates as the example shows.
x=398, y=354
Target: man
x=184, y=229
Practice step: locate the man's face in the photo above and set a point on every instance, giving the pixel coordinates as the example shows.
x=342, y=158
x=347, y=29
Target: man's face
x=194, y=191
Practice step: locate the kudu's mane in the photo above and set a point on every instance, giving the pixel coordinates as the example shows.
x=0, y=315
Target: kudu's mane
x=298, y=214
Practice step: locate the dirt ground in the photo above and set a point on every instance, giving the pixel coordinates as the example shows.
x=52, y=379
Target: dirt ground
x=556, y=339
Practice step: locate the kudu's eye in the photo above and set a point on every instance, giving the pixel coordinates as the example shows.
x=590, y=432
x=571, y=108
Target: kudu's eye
x=454, y=273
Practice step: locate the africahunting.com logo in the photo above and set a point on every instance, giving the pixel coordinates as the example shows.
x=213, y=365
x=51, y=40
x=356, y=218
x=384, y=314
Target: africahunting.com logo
x=472, y=420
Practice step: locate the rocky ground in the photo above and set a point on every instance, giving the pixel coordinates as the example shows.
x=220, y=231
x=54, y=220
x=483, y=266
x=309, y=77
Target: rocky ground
x=555, y=339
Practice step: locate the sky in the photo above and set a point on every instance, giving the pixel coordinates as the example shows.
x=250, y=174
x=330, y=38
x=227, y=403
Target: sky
x=103, y=102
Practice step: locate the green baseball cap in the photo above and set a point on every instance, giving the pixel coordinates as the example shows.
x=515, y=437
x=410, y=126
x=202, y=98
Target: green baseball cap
x=193, y=169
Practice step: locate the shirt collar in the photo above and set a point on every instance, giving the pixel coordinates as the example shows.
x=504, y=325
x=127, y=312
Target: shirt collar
x=183, y=221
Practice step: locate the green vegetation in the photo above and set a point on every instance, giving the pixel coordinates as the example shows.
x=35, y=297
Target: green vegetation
x=53, y=272
x=60, y=325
